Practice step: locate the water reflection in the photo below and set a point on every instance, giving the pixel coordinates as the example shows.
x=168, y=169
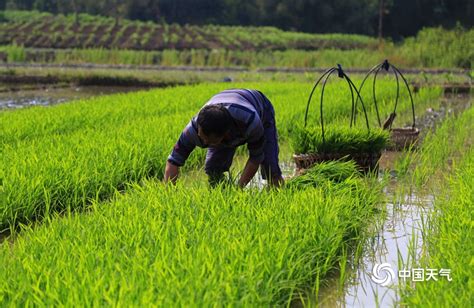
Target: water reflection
x=400, y=238
x=51, y=96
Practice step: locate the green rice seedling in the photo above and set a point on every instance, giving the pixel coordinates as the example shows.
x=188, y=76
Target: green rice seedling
x=404, y=162
x=63, y=157
x=449, y=239
x=165, y=244
x=445, y=165
x=443, y=147
x=337, y=171
x=338, y=139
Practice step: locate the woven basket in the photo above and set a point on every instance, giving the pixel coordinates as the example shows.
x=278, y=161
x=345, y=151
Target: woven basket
x=402, y=138
x=366, y=161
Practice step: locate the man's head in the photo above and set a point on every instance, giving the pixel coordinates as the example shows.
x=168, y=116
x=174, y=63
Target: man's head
x=214, y=122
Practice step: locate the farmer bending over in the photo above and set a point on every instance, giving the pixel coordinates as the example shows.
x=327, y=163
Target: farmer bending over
x=229, y=119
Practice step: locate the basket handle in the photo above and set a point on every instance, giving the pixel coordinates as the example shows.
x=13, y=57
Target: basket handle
x=376, y=69
x=352, y=87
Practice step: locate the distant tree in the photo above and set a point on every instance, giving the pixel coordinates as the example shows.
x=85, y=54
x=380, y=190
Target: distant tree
x=116, y=9
x=19, y=4
x=2, y=8
x=75, y=8
x=145, y=10
x=46, y=5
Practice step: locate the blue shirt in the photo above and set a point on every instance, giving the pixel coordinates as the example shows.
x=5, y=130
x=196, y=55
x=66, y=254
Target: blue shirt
x=247, y=109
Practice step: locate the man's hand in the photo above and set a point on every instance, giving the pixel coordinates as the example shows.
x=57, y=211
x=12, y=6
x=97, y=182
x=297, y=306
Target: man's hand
x=248, y=173
x=171, y=173
x=276, y=182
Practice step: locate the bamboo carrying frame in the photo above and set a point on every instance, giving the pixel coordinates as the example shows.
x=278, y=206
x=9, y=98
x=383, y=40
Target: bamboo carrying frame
x=366, y=161
x=400, y=138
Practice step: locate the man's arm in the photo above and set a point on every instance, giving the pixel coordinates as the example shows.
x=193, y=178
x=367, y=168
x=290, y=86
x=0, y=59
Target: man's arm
x=255, y=145
x=248, y=173
x=186, y=143
x=171, y=172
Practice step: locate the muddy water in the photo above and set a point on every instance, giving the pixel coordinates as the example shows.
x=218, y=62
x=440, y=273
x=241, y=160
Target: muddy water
x=399, y=239
x=52, y=96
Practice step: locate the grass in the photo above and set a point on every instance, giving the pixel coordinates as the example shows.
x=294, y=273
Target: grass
x=14, y=77
x=449, y=240
x=187, y=246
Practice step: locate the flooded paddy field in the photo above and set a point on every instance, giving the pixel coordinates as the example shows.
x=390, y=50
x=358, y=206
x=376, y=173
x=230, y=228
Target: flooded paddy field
x=110, y=144
x=376, y=207
x=47, y=96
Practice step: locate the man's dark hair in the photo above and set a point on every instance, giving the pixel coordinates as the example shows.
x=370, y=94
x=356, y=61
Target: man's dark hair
x=214, y=120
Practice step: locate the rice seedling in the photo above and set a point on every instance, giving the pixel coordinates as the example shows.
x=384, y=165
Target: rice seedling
x=61, y=158
x=339, y=139
x=336, y=171
x=181, y=245
x=443, y=147
x=449, y=239
x=223, y=36
x=445, y=165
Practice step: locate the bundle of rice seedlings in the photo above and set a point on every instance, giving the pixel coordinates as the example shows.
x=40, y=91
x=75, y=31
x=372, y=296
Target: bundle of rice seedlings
x=339, y=139
x=334, y=171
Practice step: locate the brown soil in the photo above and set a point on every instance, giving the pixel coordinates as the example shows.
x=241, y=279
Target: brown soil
x=86, y=29
x=26, y=27
x=43, y=41
x=199, y=38
x=126, y=41
x=45, y=27
x=156, y=40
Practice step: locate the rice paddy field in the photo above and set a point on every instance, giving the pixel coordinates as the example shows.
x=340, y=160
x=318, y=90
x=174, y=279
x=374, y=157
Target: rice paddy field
x=448, y=230
x=90, y=222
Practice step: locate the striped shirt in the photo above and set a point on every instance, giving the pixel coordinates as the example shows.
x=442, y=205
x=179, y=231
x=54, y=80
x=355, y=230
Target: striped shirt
x=247, y=109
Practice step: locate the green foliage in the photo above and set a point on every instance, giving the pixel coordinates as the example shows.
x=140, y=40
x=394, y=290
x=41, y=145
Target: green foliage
x=437, y=47
x=230, y=45
x=401, y=18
